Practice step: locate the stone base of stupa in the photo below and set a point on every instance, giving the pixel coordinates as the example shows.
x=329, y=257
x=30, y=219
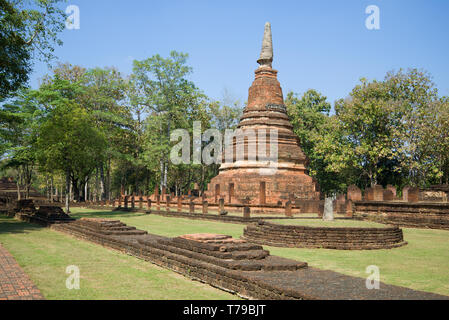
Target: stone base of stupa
x=256, y=187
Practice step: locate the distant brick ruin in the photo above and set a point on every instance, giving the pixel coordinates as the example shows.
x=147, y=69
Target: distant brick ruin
x=9, y=193
x=45, y=215
x=422, y=208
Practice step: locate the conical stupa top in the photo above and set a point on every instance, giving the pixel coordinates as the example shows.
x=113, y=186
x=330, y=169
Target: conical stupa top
x=266, y=55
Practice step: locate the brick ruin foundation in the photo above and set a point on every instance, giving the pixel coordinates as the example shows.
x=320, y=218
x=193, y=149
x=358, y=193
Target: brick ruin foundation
x=420, y=208
x=45, y=215
x=277, y=235
x=8, y=191
x=234, y=265
x=416, y=215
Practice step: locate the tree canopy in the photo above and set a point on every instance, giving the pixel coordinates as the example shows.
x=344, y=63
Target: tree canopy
x=385, y=132
x=28, y=29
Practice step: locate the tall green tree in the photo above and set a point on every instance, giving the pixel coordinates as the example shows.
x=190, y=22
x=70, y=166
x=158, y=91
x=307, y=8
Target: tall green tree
x=371, y=120
x=28, y=29
x=415, y=93
x=321, y=139
x=162, y=87
x=106, y=94
x=387, y=124
x=432, y=143
x=19, y=136
x=69, y=142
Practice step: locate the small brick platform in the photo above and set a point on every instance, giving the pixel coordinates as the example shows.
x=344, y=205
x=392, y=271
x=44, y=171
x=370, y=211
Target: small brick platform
x=14, y=283
x=323, y=237
x=46, y=215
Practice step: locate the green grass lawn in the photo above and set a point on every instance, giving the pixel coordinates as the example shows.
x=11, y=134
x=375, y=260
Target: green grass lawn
x=423, y=264
x=44, y=255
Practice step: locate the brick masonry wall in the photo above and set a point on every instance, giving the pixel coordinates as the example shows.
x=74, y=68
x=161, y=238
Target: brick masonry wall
x=417, y=215
x=323, y=237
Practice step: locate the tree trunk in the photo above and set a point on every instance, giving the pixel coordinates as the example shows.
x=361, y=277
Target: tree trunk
x=86, y=190
x=76, y=190
x=71, y=190
x=28, y=177
x=162, y=177
x=108, y=179
x=97, y=194
x=18, y=184
x=164, y=183
x=102, y=183
x=51, y=189
x=47, y=188
x=149, y=189
x=67, y=192
x=166, y=156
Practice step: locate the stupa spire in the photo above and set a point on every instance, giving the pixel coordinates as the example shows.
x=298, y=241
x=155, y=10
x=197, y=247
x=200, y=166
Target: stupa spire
x=266, y=54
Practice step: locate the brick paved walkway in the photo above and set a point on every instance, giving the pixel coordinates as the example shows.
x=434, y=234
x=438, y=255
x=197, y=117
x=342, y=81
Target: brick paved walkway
x=14, y=283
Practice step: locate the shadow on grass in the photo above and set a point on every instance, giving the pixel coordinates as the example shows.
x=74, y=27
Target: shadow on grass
x=10, y=225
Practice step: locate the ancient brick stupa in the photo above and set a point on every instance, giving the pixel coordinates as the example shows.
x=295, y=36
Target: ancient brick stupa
x=244, y=181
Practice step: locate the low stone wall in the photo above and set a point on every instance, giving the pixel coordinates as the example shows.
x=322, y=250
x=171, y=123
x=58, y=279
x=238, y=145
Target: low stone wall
x=324, y=237
x=416, y=215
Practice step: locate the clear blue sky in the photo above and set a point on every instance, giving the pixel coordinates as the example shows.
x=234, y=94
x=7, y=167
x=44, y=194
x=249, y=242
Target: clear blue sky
x=317, y=44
